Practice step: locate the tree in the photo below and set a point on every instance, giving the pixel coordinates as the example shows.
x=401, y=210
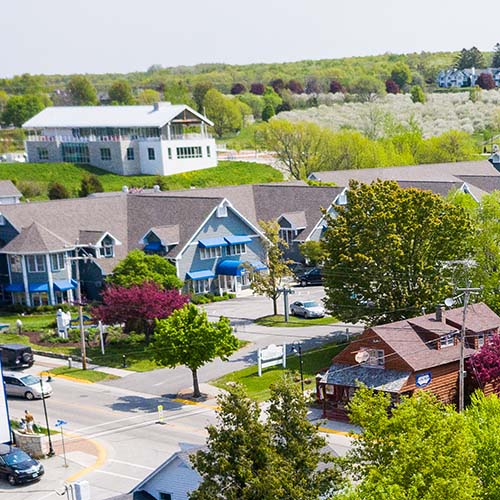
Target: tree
x=20, y=109
x=90, y=184
x=312, y=86
x=271, y=98
x=178, y=93
x=225, y=113
x=81, y=91
x=256, y=103
x=267, y=112
x=367, y=88
x=401, y=74
x=485, y=81
x=469, y=58
x=417, y=94
x=138, y=306
x=257, y=88
x=278, y=85
x=495, y=61
x=238, y=88
x=148, y=96
x=422, y=450
x=336, y=86
x=385, y=248
x=295, y=87
x=188, y=338
x=314, y=252
x=138, y=268
x=199, y=92
x=448, y=147
x=484, y=365
x=3, y=100
x=121, y=93
x=391, y=87
x=57, y=191
x=269, y=284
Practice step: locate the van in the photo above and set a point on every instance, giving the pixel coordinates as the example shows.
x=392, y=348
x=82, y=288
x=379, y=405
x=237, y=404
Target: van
x=25, y=385
x=16, y=356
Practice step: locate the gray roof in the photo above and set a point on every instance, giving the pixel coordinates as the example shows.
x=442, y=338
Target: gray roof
x=487, y=183
x=296, y=219
x=8, y=189
x=169, y=235
x=110, y=116
x=374, y=378
x=86, y=237
x=36, y=239
x=437, y=187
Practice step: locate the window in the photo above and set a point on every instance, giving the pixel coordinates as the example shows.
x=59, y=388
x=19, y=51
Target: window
x=208, y=151
x=39, y=299
x=75, y=153
x=376, y=358
x=107, y=249
x=36, y=263
x=210, y=253
x=165, y=496
x=169, y=152
x=151, y=153
x=15, y=264
x=105, y=154
x=130, y=154
x=201, y=286
x=57, y=261
x=43, y=154
x=447, y=340
x=288, y=235
x=237, y=249
x=189, y=152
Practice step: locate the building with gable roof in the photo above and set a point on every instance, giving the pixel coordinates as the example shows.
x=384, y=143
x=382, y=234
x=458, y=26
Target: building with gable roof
x=158, y=139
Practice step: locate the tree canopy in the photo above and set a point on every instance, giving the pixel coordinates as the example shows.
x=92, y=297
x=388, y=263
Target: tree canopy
x=386, y=250
x=470, y=58
x=81, y=91
x=20, y=109
x=223, y=111
x=120, y=92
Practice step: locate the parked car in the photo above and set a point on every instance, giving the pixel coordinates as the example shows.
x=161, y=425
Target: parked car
x=25, y=385
x=311, y=277
x=17, y=466
x=309, y=309
x=16, y=356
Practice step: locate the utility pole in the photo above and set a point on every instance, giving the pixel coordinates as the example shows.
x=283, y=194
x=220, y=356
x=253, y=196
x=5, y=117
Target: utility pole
x=286, y=291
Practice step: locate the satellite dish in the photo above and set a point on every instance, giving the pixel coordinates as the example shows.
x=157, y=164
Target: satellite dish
x=449, y=302
x=362, y=357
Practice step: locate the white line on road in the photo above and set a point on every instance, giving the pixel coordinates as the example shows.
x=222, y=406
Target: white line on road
x=129, y=463
x=118, y=475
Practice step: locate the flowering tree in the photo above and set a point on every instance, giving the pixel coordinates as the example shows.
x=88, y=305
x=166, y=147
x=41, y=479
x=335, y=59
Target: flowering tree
x=138, y=306
x=485, y=364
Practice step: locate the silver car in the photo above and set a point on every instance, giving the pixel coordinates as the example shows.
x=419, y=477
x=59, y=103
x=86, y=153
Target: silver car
x=25, y=385
x=308, y=309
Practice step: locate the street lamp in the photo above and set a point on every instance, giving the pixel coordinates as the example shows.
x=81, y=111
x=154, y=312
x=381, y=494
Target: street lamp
x=297, y=349
x=51, y=449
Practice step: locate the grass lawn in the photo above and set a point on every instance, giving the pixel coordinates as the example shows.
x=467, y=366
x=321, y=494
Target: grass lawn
x=31, y=322
x=70, y=175
x=258, y=387
x=89, y=375
x=279, y=320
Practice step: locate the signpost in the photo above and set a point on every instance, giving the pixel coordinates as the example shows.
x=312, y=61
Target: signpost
x=160, y=414
x=61, y=423
x=270, y=356
x=5, y=434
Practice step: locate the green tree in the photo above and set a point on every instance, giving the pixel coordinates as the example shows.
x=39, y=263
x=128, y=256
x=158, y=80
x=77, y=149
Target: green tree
x=137, y=268
x=90, y=184
x=401, y=74
x=188, y=338
x=224, y=113
x=385, y=248
x=148, y=96
x=271, y=98
x=495, y=61
x=20, y=109
x=367, y=88
x=314, y=252
x=57, y=191
x=421, y=451
x=178, y=93
x=267, y=112
x=417, y=94
x=450, y=146
x=270, y=283
x=199, y=92
x=120, y=92
x=469, y=58
x=81, y=91
x=3, y=100
x=256, y=102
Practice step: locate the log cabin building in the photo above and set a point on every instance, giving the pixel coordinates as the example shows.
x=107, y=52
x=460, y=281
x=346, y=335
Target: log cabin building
x=399, y=358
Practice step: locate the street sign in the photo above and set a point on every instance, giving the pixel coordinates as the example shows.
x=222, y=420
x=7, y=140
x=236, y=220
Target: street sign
x=60, y=422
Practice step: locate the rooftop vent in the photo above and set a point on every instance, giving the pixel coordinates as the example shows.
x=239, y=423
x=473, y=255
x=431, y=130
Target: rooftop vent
x=161, y=105
x=440, y=314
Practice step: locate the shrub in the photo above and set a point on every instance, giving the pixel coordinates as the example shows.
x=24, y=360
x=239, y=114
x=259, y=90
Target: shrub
x=485, y=81
x=336, y=86
x=268, y=112
x=31, y=189
x=238, y=88
x=90, y=184
x=391, y=87
x=295, y=87
x=257, y=88
x=57, y=191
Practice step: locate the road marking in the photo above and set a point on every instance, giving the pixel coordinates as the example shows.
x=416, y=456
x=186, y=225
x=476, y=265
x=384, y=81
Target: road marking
x=333, y=431
x=129, y=463
x=100, y=461
x=119, y=475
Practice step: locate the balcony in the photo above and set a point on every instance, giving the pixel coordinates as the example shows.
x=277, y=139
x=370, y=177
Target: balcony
x=113, y=138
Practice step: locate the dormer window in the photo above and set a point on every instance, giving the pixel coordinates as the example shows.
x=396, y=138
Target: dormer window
x=107, y=249
x=447, y=340
x=376, y=358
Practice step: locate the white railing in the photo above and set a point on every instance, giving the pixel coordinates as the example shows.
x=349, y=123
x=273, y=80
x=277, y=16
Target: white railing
x=113, y=138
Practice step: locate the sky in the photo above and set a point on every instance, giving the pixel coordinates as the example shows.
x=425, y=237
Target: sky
x=121, y=36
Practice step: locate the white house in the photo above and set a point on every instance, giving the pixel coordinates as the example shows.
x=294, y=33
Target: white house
x=157, y=139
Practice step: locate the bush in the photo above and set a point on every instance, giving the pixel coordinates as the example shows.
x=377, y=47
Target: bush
x=257, y=88
x=391, y=87
x=238, y=88
x=57, y=191
x=90, y=184
x=53, y=338
x=31, y=189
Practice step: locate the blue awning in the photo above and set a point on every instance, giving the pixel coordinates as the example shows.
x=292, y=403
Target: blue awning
x=63, y=285
x=212, y=242
x=200, y=275
x=38, y=287
x=155, y=246
x=234, y=239
x=14, y=287
x=258, y=265
x=230, y=268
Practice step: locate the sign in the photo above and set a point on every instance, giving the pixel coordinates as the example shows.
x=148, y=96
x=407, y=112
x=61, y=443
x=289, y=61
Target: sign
x=270, y=356
x=60, y=422
x=5, y=435
x=423, y=379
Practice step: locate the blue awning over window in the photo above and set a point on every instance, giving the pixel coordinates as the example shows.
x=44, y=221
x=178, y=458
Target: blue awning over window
x=63, y=285
x=200, y=275
x=212, y=242
x=14, y=287
x=258, y=265
x=155, y=246
x=230, y=268
x=38, y=287
x=234, y=239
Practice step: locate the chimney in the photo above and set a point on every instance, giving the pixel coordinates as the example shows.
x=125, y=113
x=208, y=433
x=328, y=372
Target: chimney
x=440, y=313
x=161, y=105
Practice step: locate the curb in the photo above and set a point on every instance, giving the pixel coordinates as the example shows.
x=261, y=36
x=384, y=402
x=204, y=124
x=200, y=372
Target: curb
x=66, y=377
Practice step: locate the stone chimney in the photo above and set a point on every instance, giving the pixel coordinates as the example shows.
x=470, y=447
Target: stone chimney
x=440, y=313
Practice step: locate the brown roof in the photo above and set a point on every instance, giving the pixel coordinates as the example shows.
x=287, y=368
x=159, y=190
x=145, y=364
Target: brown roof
x=36, y=239
x=486, y=183
x=86, y=237
x=296, y=219
x=8, y=189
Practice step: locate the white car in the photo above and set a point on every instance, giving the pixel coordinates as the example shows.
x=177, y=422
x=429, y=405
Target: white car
x=25, y=385
x=308, y=309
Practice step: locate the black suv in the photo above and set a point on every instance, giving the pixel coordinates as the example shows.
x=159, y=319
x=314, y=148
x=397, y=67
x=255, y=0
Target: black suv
x=17, y=466
x=16, y=356
x=311, y=277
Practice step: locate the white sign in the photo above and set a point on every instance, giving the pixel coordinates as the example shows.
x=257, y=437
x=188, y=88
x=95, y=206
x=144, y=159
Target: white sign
x=4, y=412
x=270, y=356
